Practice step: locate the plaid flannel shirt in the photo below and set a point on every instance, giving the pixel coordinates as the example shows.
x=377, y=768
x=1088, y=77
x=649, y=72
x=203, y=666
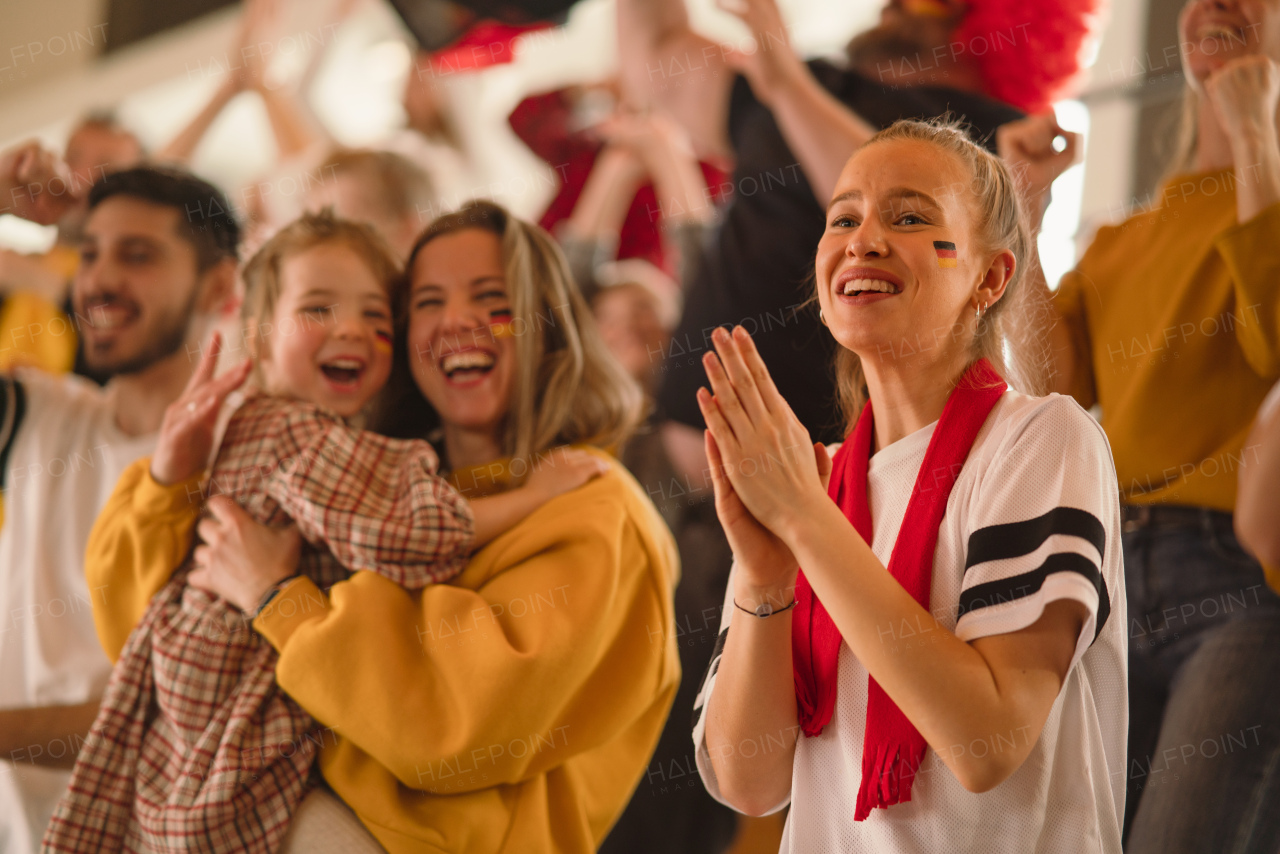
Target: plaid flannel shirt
x=195, y=747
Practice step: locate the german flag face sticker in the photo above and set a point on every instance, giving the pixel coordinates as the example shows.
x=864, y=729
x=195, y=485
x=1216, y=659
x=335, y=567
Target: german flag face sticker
x=382, y=341
x=946, y=253
x=500, y=323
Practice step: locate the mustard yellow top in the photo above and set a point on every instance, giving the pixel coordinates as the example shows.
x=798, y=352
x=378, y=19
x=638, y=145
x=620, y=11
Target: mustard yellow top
x=35, y=332
x=513, y=709
x=1175, y=314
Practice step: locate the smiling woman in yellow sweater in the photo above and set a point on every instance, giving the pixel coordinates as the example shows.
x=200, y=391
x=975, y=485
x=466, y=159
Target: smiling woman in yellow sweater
x=514, y=708
x=1170, y=324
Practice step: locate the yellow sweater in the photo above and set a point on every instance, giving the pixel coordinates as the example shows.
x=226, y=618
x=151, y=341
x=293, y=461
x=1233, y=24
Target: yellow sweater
x=34, y=331
x=1176, y=319
x=513, y=709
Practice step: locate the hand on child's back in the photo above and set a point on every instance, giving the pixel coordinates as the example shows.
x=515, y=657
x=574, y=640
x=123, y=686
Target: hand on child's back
x=563, y=470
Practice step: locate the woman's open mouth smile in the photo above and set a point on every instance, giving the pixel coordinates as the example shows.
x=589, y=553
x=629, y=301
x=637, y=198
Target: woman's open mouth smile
x=865, y=285
x=466, y=367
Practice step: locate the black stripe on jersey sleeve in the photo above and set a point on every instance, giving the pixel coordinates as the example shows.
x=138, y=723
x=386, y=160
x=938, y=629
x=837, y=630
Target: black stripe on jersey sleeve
x=1017, y=587
x=712, y=667
x=1015, y=539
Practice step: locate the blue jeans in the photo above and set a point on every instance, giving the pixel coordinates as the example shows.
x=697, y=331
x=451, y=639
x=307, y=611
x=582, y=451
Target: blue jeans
x=1204, y=692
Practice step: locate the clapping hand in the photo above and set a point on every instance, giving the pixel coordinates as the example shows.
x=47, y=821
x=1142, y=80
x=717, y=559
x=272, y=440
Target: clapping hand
x=765, y=470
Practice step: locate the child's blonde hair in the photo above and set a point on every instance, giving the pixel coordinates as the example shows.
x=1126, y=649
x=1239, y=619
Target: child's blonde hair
x=1007, y=333
x=262, y=285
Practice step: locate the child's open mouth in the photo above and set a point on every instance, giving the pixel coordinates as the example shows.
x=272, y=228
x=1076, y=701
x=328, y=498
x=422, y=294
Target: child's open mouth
x=343, y=372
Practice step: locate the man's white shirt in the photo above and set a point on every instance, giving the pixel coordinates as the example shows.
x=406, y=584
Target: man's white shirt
x=62, y=466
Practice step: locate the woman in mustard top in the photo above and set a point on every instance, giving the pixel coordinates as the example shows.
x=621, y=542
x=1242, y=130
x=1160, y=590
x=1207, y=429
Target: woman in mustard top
x=515, y=708
x=1170, y=323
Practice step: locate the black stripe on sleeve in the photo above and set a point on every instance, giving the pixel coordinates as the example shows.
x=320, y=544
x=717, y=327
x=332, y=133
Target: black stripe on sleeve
x=1015, y=539
x=712, y=667
x=1018, y=587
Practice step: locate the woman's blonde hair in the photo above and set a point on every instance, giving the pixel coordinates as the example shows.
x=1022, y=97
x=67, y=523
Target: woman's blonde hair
x=262, y=273
x=568, y=388
x=1008, y=335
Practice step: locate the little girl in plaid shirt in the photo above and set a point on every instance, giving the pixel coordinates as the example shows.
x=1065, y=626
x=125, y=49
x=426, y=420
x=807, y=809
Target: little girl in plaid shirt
x=195, y=747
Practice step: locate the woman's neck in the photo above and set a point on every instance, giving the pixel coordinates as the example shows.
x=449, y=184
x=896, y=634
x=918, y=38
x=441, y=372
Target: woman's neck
x=909, y=396
x=467, y=447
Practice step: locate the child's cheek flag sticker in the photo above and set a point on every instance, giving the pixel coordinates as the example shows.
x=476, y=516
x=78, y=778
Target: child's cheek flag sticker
x=382, y=341
x=946, y=253
x=500, y=323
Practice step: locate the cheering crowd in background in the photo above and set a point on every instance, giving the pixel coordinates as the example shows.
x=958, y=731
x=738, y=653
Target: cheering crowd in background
x=399, y=522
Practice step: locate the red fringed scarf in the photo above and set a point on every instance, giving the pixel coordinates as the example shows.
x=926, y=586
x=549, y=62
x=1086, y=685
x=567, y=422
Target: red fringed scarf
x=892, y=747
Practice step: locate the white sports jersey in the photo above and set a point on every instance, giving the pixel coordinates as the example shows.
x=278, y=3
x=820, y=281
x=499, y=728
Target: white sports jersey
x=63, y=465
x=1034, y=517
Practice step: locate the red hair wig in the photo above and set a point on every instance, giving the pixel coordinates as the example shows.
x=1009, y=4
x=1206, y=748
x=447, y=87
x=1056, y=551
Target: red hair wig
x=1028, y=53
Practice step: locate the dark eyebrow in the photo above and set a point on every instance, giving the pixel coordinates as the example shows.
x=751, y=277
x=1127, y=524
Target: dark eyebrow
x=126, y=240
x=316, y=292
x=480, y=280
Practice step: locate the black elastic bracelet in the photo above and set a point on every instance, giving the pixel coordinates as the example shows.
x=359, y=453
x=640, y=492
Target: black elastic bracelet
x=271, y=594
x=764, y=609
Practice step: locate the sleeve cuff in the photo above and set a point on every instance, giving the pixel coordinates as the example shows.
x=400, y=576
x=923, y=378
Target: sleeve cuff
x=151, y=499
x=1009, y=617
x=298, y=602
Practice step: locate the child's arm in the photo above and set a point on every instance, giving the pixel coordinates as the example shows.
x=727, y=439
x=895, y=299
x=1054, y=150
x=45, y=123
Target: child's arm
x=566, y=471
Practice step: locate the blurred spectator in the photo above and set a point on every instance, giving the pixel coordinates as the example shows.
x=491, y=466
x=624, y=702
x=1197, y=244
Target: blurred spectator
x=1170, y=323
x=158, y=258
x=636, y=306
x=34, y=329
x=1257, y=516
x=380, y=188
x=630, y=185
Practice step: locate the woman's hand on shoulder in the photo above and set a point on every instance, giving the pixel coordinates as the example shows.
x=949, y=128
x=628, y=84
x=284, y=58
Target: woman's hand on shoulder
x=239, y=558
x=186, y=433
x=564, y=470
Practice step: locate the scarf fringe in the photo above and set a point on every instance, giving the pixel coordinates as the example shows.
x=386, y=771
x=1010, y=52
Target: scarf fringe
x=885, y=781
